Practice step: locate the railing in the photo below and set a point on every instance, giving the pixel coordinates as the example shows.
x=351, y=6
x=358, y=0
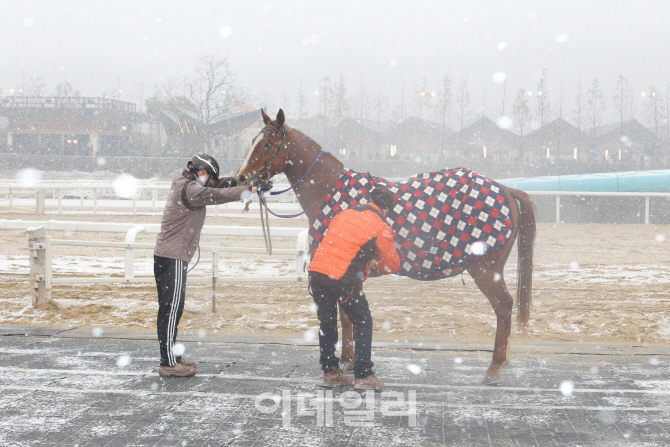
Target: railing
x=40, y=245
x=558, y=194
x=51, y=102
x=100, y=195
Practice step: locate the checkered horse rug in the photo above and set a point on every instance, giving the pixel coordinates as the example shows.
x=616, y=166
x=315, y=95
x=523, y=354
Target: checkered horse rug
x=441, y=220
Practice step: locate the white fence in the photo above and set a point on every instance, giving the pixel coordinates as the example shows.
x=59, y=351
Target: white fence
x=92, y=197
x=41, y=253
x=558, y=194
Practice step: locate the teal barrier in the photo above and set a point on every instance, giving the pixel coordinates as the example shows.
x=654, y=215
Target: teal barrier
x=632, y=181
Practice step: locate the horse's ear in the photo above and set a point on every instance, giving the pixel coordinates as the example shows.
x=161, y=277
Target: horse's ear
x=266, y=119
x=280, y=118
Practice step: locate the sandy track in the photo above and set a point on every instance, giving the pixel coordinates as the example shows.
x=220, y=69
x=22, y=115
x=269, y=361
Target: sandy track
x=594, y=283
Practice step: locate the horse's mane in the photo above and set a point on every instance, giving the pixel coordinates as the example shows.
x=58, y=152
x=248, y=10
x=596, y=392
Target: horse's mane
x=312, y=143
x=307, y=139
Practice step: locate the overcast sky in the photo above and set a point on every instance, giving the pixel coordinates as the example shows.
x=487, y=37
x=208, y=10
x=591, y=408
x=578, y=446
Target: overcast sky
x=271, y=45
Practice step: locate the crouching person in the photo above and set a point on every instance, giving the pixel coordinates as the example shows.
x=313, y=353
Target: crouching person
x=183, y=218
x=355, y=237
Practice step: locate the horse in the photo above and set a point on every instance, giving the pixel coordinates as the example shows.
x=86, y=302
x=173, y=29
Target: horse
x=313, y=173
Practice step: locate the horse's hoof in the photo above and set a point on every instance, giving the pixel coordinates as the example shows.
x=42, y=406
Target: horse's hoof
x=490, y=378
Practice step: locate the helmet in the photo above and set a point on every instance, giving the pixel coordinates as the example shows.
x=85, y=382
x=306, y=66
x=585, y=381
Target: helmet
x=204, y=161
x=383, y=198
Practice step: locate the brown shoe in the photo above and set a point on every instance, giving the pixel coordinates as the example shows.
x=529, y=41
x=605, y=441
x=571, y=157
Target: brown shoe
x=334, y=376
x=369, y=383
x=190, y=364
x=177, y=370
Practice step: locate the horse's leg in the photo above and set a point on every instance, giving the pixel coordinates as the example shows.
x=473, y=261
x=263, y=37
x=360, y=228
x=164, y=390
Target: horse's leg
x=348, y=353
x=487, y=274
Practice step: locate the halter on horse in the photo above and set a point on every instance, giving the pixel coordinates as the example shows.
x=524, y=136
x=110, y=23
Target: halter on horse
x=312, y=185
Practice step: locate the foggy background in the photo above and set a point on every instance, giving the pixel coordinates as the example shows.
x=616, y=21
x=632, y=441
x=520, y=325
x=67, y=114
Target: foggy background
x=104, y=47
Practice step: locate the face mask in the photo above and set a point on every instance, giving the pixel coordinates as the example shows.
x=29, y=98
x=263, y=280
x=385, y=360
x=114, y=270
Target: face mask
x=203, y=179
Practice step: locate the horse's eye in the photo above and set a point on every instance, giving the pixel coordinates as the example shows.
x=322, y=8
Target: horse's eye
x=268, y=145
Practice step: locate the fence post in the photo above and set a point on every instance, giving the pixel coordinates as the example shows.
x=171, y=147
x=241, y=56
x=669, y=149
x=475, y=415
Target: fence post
x=154, y=195
x=39, y=201
x=60, y=200
x=40, y=265
x=646, y=210
x=215, y=274
x=95, y=201
x=301, y=258
x=11, y=199
x=129, y=272
x=558, y=208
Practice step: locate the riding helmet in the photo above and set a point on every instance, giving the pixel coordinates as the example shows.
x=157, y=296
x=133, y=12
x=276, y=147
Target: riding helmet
x=204, y=161
x=383, y=198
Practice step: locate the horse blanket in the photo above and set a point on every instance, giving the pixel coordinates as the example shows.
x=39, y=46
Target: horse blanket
x=441, y=219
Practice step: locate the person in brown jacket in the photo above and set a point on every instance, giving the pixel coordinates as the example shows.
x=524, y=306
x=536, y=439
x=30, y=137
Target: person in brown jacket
x=183, y=218
x=358, y=239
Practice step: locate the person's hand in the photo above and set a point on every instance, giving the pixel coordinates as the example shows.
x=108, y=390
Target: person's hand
x=253, y=190
x=265, y=186
x=372, y=264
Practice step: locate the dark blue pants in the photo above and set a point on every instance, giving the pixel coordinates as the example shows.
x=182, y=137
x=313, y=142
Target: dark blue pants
x=327, y=294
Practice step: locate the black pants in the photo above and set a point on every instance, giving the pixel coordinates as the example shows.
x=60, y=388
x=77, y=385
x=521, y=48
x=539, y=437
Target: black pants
x=327, y=294
x=170, y=277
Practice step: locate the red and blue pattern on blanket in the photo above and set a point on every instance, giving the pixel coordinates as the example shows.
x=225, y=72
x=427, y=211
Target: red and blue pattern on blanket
x=441, y=220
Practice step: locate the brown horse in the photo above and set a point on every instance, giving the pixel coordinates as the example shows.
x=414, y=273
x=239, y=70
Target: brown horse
x=280, y=149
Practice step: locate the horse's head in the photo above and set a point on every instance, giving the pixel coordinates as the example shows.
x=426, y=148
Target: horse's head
x=266, y=156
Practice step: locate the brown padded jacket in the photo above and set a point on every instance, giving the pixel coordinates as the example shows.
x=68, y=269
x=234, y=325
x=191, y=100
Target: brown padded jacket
x=354, y=237
x=185, y=212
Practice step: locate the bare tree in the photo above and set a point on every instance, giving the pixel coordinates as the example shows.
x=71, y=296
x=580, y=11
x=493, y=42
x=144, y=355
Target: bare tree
x=324, y=93
x=502, y=114
x=462, y=104
x=64, y=89
x=285, y=100
x=362, y=106
x=398, y=117
x=620, y=103
x=595, y=108
x=422, y=98
x=37, y=86
x=559, y=106
x=302, y=102
x=542, y=105
x=338, y=100
x=266, y=102
x=503, y=98
x=633, y=104
x=521, y=112
x=380, y=105
x=667, y=117
x=580, y=107
x=654, y=109
x=443, y=106
x=214, y=89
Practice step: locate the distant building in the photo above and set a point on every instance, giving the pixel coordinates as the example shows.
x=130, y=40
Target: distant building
x=419, y=138
x=559, y=140
x=629, y=141
x=66, y=126
x=228, y=137
x=484, y=139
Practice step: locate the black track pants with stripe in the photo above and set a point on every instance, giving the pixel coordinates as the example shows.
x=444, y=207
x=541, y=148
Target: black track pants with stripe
x=170, y=277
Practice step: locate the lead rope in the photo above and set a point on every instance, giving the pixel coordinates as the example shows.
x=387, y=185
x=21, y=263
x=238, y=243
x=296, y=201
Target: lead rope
x=265, y=224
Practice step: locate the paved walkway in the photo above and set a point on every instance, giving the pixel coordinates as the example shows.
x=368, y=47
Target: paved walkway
x=74, y=389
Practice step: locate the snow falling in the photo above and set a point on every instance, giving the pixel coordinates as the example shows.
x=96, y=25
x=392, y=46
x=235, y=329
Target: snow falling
x=552, y=328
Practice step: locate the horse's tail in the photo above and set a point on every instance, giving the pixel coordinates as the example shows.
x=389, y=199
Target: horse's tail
x=527, y=231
